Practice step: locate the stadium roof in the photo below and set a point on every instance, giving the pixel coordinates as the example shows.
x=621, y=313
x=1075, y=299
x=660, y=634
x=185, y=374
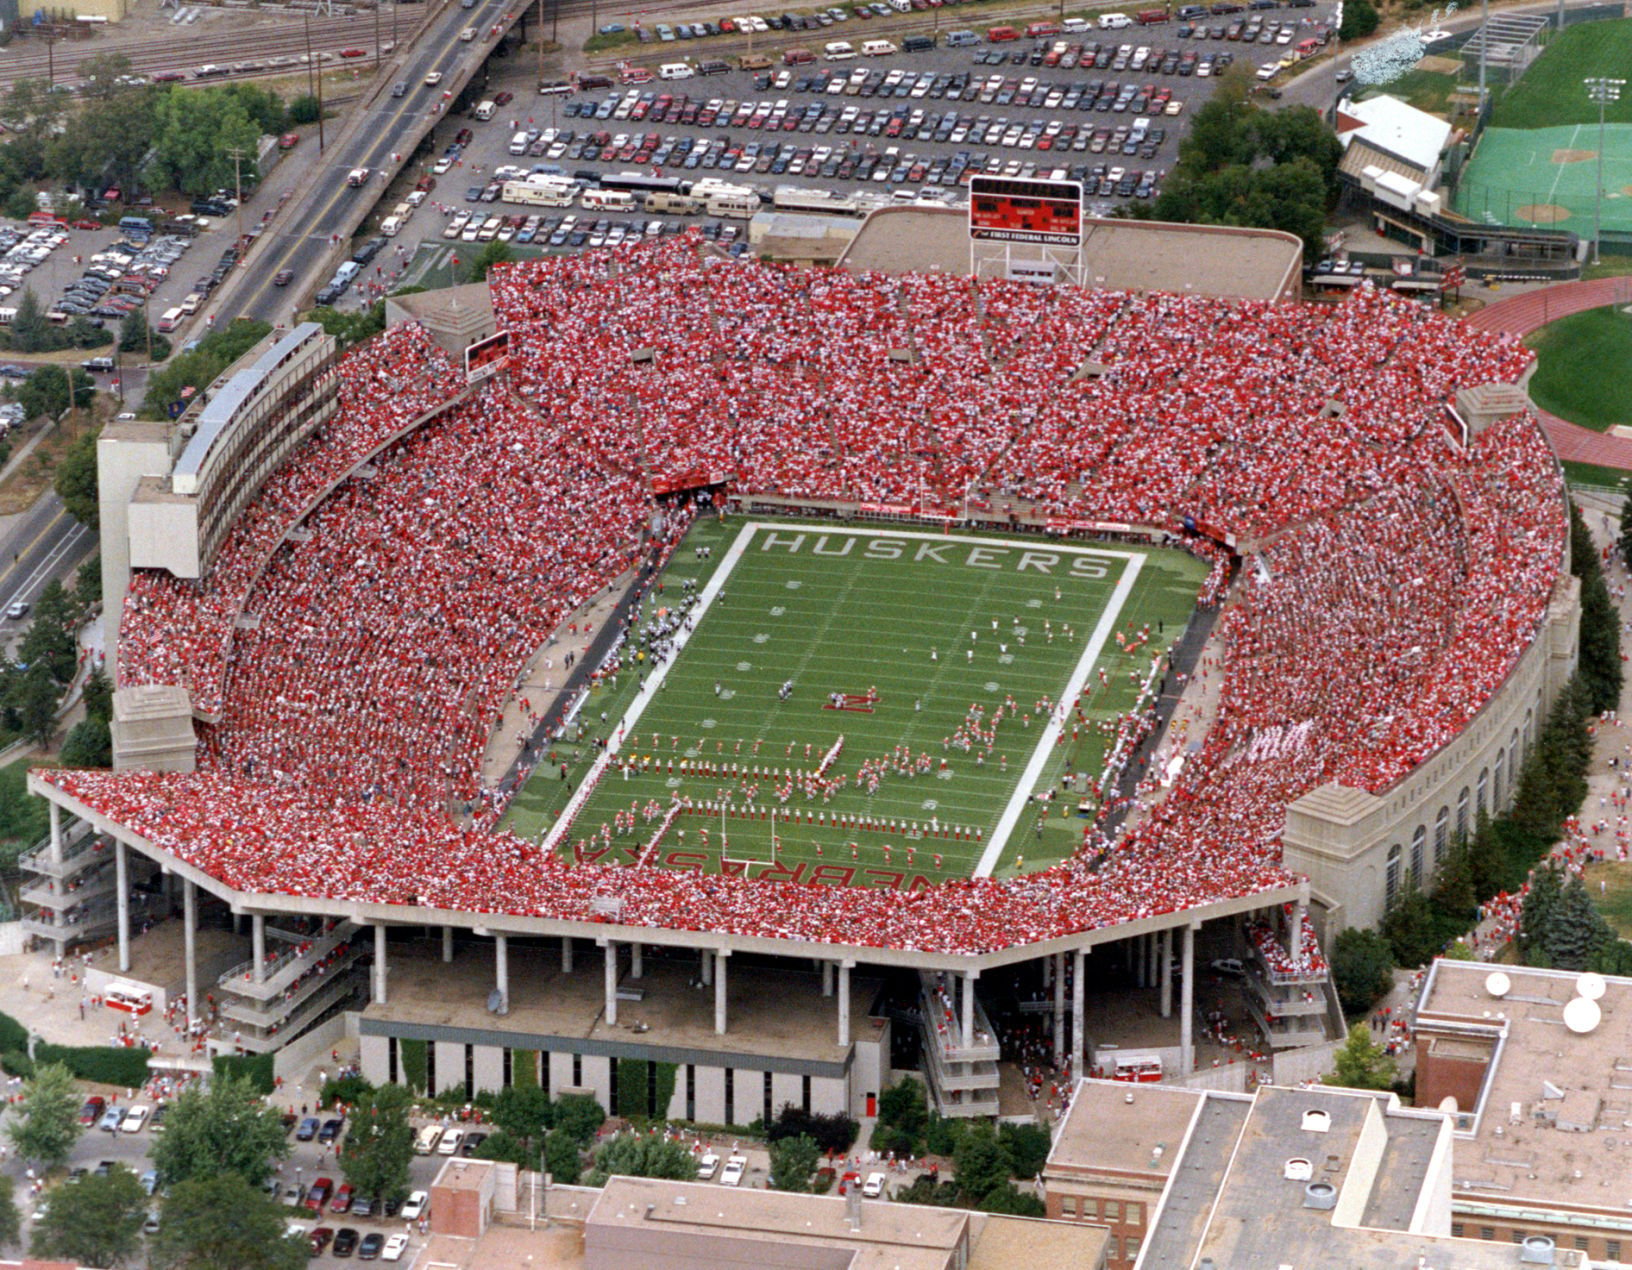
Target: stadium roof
x=1390, y=125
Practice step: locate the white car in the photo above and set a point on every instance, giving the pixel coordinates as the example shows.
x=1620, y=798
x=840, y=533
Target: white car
x=735, y=1167
x=394, y=1248
x=433, y=78
x=134, y=1119
x=873, y=1187
x=415, y=1205
x=451, y=1138
x=707, y=1166
x=429, y=1136
x=1229, y=966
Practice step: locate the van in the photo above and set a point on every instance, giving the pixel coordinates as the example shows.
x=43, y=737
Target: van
x=1076, y=26
x=1001, y=35
x=917, y=43
x=798, y=57
x=838, y=51
x=1114, y=21
x=169, y=322
x=97, y=365
x=878, y=48
x=675, y=204
x=391, y=226
x=901, y=6
x=519, y=143
x=485, y=110
x=1039, y=30
x=428, y=1137
x=192, y=303
x=590, y=83
x=400, y=88
x=1150, y=17
x=715, y=67
x=961, y=39
x=754, y=62
x=675, y=70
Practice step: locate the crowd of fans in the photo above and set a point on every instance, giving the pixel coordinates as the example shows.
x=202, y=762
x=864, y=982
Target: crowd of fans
x=381, y=645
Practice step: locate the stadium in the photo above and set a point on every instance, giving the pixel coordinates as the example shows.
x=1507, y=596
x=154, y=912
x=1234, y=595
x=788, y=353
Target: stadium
x=808, y=622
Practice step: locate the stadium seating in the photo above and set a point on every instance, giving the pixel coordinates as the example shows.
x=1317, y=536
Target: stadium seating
x=358, y=671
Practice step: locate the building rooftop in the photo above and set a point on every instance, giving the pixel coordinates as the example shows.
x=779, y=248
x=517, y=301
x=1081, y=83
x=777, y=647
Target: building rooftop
x=1025, y=1243
x=1252, y=264
x=1197, y=1177
x=464, y=1174
x=1396, y=128
x=244, y=384
x=1134, y=1129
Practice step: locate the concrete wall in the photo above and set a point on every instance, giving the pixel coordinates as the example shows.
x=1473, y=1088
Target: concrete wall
x=1228, y=1079
x=450, y=1065
x=710, y=1094
x=11, y=938
x=374, y=1056
x=489, y=1062
x=1307, y=1063
x=295, y=1059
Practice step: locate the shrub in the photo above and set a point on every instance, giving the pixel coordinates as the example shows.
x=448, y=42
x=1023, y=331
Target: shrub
x=254, y=1068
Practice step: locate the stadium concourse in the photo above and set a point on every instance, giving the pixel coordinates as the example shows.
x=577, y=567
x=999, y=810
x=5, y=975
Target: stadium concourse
x=357, y=669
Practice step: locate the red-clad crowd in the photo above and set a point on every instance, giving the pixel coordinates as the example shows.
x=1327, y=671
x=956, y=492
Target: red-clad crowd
x=381, y=645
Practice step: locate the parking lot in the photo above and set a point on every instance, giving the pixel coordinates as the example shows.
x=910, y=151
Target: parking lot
x=1107, y=108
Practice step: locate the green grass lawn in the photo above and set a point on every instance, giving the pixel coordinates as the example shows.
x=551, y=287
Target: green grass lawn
x=1592, y=474
x=851, y=613
x=1572, y=360
x=1551, y=92
x=1610, y=886
x=1426, y=90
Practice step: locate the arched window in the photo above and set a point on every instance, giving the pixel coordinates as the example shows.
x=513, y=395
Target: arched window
x=1496, y=788
x=1442, y=832
x=1391, y=879
x=1481, y=798
x=1419, y=852
x=1461, y=818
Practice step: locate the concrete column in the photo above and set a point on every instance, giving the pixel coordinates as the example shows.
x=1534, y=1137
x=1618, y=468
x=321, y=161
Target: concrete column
x=447, y=943
x=1079, y=1025
x=380, y=970
x=706, y=974
x=257, y=937
x=827, y=978
x=566, y=954
x=968, y=1009
x=1187, y=1003
x=189, y=940
x=1166, y=955
x=844, y=999
x=611, y=984
x=501, y=967
x=121, y=879
x=720, y=960
x=636, y=966
x=1296, y=942
x=56, y=834
x=1057, y=964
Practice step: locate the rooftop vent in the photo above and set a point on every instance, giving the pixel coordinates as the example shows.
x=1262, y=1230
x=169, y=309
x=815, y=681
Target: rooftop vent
x=1582, y=1015
x=1317, y=1121
x=1320, y=1195
x=1298, y=1170
x=1536, y=1250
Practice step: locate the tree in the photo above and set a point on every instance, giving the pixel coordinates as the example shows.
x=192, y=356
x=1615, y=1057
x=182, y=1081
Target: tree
x=1626, y=528
x=46, y=392
x=1360, y=19
x=1601, y=667
x=33, y=697
x=195, y=133
x=980, y=1163
x=1575, y=929
x=11, y=1222
x=89, y=743
x=30, y=333
x=642, y=1155
x=304, y=109
x=1536, y=917
x=223, y=1128
x=103, y=144
x=45, y=1125
x=350, y=328
x=832, y=1133
x=198, y=367
x=1361, y=1063
x=1026, y=1146
x=75, y=481
x=97, y=694
x=563, y=1158
x=1410, y=927
x=1013, y=1202
x=379, y=1146
x=92, y=1220
x=793, y=1160
x=1363, y=968
x=224, y=1223
x=494, y=253
x=523, y=1114
x=904, y=1106
x=579, y=1116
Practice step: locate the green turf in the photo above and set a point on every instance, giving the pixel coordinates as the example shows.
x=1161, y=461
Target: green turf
x=850, y=623
x=1551, y=92
x=1426, y=90
x=1592, y=474
x=1547, y=178
x=1571, y=356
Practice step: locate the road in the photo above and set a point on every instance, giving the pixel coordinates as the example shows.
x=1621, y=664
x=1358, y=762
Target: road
x=44, y=543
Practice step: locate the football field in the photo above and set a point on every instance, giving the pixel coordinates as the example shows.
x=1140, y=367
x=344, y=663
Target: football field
x=863, y=705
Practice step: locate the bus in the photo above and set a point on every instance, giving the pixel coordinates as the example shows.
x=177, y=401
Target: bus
x=797, y=198
x=609, y=200
x=740, y=206
x=640, y=183
x=540, y=193
x=1139, y=1069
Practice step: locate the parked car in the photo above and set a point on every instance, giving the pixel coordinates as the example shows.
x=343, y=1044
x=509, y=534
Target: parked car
x=345, y=1241
x=135, y=1119
x=394, y=1248
x=369, y=1250
x=416, y=1206
x=735, y=1167
x=309, y=1126
x=341, y=1203
x=330, y=1130
x=92, y=1111
x=114, y=1116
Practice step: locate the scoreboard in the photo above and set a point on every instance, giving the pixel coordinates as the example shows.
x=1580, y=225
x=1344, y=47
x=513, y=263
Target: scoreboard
x=487, y=357
x=1018, y=211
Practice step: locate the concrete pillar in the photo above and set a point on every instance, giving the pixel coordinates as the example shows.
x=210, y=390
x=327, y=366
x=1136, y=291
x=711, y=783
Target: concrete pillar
x=447, y=943
x=844, y=999
x=1187, y=1002
x=1296, y=942
x=611, y=984
x=1079, y=1025
x=827, y=978
x=706, y=974
x=56, y=834
x=636, y=966
x=720, y=960
x=380, y=970
x=257, y=938
x=501, y=967
x=566, y=954
x=121, y=879
x=189, y=940
x=1167, y=973
x=1057, y=964
x=968, y=1009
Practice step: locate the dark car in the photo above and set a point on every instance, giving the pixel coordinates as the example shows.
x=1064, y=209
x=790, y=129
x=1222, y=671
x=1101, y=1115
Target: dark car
x=368, y=250
x=91, y=1112
x=282, y=278
x=363, y=1206
x=472, y=1141
x=320, y=1240
x=503, y=99
x=330, y=1130
x=369, y=1249
x=345, y=1241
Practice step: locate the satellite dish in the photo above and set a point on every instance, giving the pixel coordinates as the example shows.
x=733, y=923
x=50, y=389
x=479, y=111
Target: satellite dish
x=1448, y=1104
x=1591, y=986
x=1582, y=1015
x=1498, y=984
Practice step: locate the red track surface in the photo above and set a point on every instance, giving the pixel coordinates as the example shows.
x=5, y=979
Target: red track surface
x=1525, y=313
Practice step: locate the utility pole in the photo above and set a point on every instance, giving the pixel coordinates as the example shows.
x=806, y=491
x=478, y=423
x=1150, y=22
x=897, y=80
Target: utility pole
x=540, y=75
x=376, y=36
x=1602, y=90
x=311, y=74
x=238, y=186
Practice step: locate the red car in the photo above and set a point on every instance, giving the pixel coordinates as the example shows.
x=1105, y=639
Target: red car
x=283, y=277
x=84, y=223
x=341, y=1203
x=320, y=1239
x=319, y=1194
x=91, y=1112
x=464, y=137
x=353, y=52
x=503, y=99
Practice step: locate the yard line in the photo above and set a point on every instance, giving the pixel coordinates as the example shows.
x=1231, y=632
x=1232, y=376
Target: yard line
x=1027, y=783
x=1558, y=168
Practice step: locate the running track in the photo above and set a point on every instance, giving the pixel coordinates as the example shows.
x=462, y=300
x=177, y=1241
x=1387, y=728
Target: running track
x=1525, y=313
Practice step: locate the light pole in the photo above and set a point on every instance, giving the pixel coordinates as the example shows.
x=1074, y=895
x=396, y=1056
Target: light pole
x=1602, y=90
